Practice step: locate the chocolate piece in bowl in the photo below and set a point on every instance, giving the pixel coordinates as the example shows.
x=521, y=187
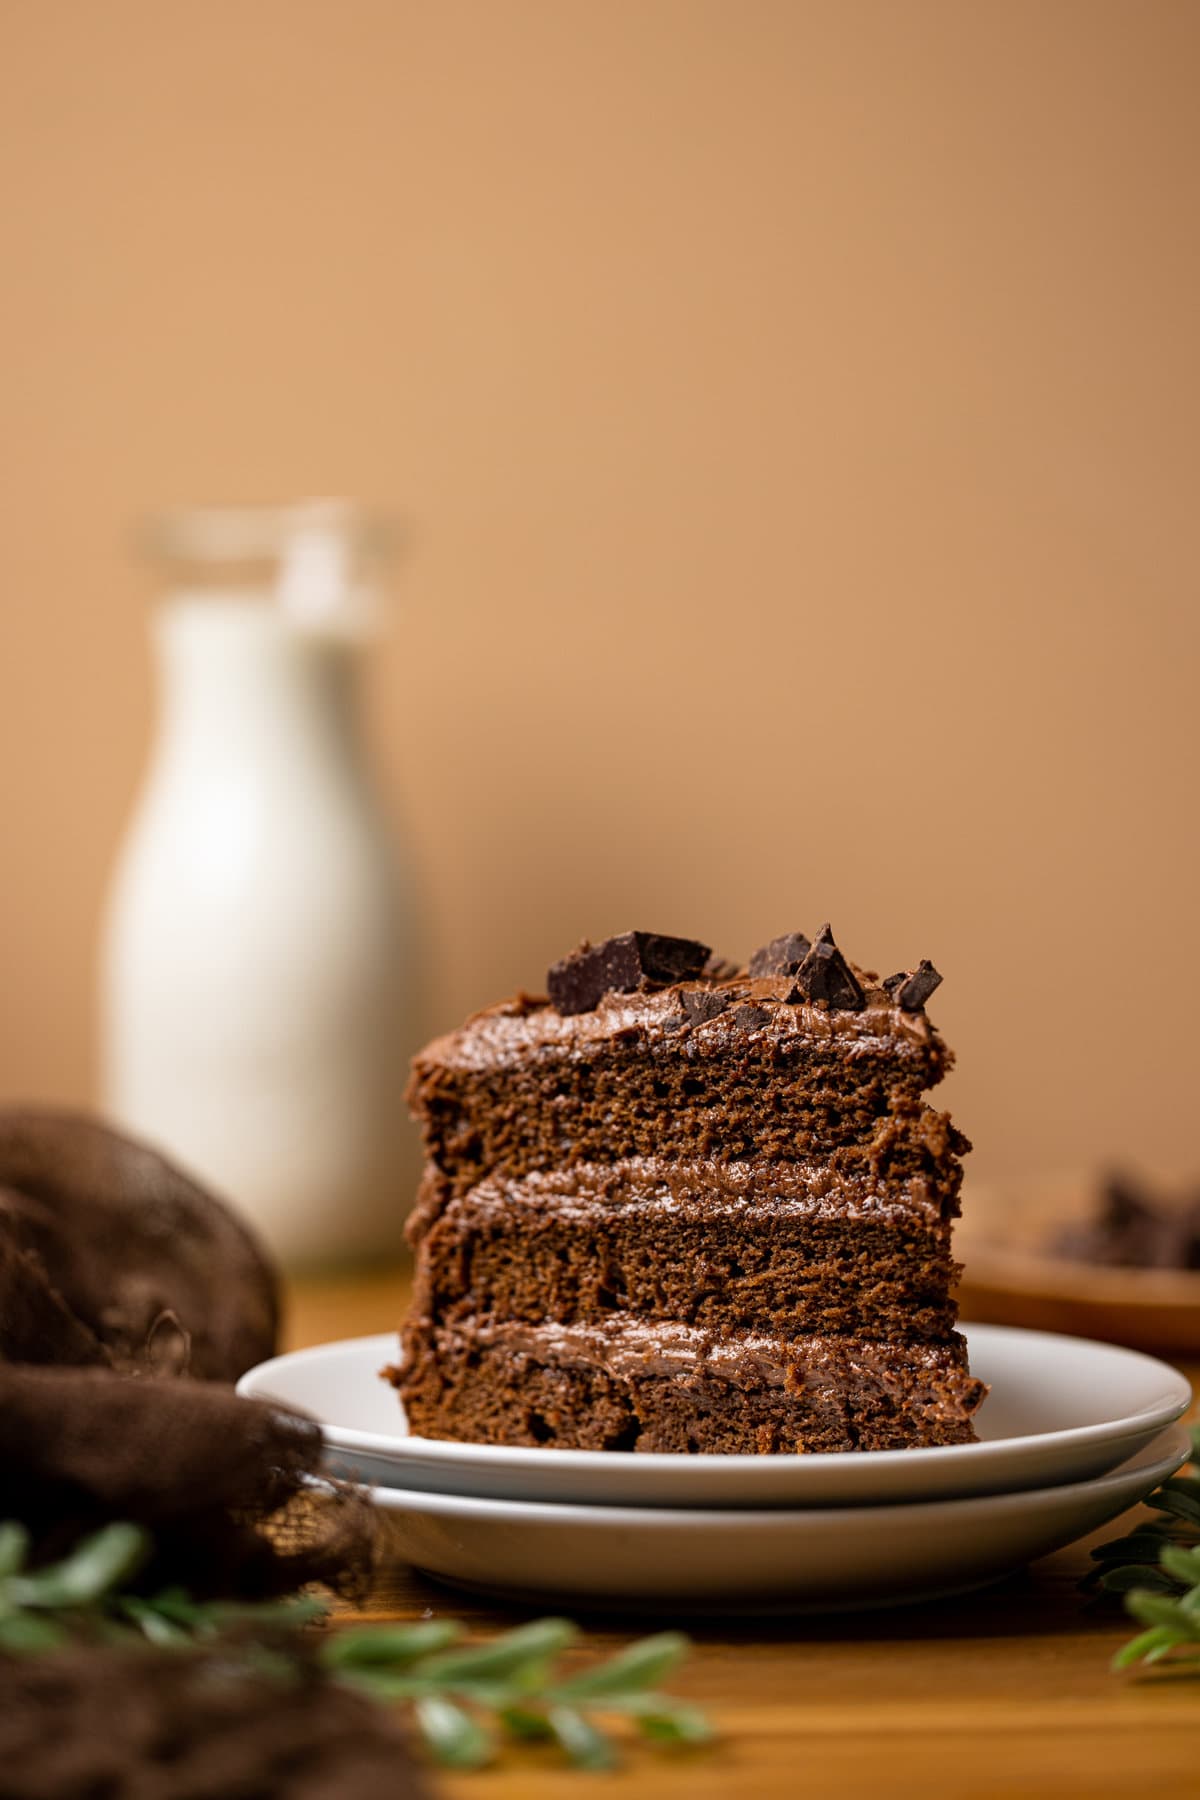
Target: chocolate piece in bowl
x=1133, y=1227
x=711, y=1213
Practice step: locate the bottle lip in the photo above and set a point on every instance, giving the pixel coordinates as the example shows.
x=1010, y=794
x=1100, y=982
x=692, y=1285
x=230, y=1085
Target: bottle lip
x=319, y=564
x=216, y=536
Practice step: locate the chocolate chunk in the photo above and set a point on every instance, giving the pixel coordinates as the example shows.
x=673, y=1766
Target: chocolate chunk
x=782, y=956
x=826, y=975
x=702, y=1004
x=1122, y=1206
x=749, y=1018
x=1134, y=1229
x=634, y=962
x=911, y=988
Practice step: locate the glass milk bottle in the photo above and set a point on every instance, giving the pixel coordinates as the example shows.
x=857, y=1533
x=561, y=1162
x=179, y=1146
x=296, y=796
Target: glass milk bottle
x=257, y=962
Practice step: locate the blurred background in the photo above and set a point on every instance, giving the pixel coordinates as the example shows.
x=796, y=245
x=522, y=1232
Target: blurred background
x=795, y=412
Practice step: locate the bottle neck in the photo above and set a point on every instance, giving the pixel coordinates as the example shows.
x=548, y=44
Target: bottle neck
x=239, y=679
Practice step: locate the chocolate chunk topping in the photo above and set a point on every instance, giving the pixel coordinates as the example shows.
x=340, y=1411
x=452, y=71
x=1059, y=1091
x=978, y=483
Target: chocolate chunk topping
x=635, y=961
x=826, y=975
x=782, y=956
x=748, y=1018
x=702, y=1004
x=911, y=988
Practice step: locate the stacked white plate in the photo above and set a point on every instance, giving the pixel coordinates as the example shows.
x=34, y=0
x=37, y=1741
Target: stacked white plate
x=1071, y=1435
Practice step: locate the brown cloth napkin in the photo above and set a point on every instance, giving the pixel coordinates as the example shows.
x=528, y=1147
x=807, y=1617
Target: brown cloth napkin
x=129, y=1297
x=116, y=1270
x=110, y=1255
x=158, y=1725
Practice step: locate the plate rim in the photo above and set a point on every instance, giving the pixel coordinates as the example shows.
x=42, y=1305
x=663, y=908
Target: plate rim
x=561, y=1512
x=437, y=1452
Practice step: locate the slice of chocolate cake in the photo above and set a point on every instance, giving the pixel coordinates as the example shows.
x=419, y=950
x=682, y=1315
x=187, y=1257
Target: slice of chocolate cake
x=677, y=1207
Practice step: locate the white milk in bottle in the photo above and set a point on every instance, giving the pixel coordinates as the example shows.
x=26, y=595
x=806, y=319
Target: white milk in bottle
x=258, y=958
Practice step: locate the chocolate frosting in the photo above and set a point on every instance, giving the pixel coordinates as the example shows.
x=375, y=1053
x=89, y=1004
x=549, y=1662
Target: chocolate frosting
x=627, y=1346
x=755, y=1191
x=711, y=1010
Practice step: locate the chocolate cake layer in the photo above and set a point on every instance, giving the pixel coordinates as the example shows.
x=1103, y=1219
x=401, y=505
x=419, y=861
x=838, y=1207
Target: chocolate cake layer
x=713, y=1068
x=684, y=1209
x=782, y=1249
x=635, y=1385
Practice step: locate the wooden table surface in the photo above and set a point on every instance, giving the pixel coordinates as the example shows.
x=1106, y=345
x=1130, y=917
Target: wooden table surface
x=1001, y=1694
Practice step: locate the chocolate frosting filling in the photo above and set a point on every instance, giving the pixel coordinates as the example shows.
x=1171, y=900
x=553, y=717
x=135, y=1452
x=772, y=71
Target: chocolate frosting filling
x=630, y=1347
x=757, y=1191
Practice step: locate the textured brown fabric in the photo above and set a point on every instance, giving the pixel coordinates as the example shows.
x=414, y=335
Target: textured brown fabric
x=105, y=1724
x=219, y=1480
x=109, y=1253
x=114, y=1270
x=36, y=1324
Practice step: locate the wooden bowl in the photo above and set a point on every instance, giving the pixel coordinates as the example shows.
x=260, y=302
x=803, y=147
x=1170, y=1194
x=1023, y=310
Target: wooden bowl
x=1012, y=1277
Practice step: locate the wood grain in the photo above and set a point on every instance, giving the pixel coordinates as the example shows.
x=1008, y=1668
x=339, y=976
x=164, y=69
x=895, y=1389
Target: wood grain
x=998, y=1694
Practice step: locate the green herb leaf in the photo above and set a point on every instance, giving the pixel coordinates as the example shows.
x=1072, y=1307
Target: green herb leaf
x=292, y=1613
x=455, y=1692
x=522, y=1722
x=14, y=1548
x=1143, y=1544
x=1147, y=1644
x=674, y=1724
x=584, y=1743
x=638, y=1667
x=455, y=1738
x=1157, y=1609
x=1183, y=1563
x=98, y=1566
x=1182, y=1498
x=527, y=1644
x=1157, y=1568
x=154, y=1625
x=175, y=1603
x=1124, y=1581
x=389, y=1646
x=28, y=1634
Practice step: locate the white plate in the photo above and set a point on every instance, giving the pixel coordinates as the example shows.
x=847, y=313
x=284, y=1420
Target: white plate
x=816, y=1560
x=1061, y=1409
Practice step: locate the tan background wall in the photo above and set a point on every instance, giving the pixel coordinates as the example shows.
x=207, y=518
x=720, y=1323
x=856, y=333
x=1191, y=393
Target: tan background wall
x=795, y=407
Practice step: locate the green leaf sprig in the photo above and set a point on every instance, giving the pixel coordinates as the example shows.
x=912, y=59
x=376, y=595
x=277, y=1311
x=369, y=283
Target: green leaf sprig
x=462, y=1694
x=465, y=1698
x=1156, y=1569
